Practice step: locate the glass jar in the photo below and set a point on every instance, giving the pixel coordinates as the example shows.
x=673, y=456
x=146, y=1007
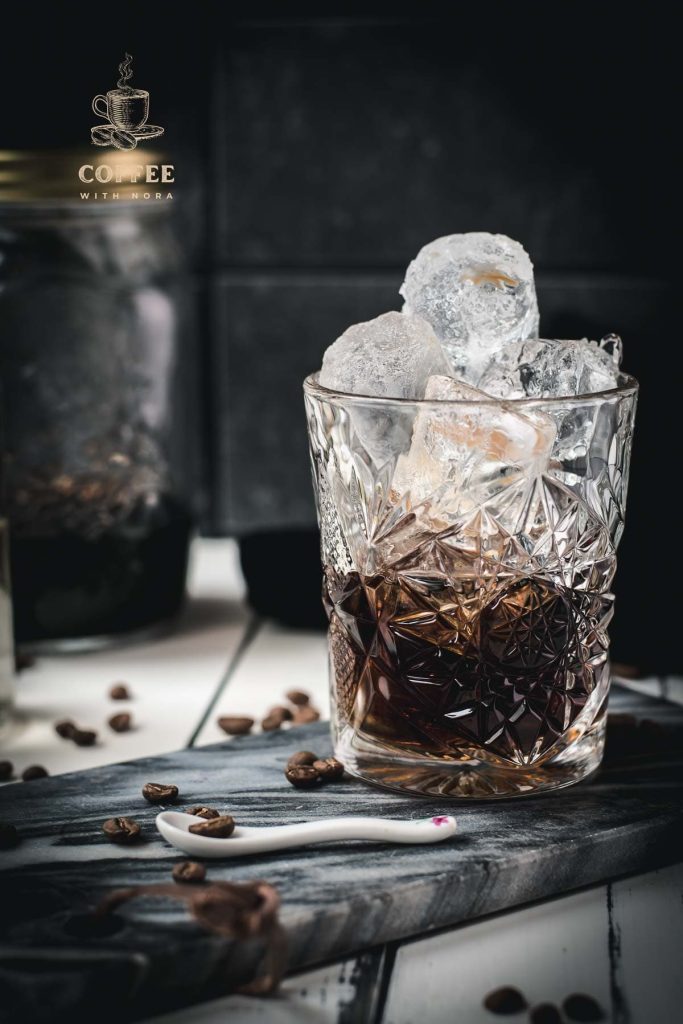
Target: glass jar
x=95, y=312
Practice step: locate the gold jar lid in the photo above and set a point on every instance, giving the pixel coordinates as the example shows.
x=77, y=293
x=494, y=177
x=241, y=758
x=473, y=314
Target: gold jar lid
x=51, y=177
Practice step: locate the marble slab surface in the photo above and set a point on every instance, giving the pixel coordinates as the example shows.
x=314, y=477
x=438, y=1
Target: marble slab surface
x=337, y=899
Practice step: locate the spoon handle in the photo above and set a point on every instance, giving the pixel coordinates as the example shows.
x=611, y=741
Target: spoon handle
x=328, y=830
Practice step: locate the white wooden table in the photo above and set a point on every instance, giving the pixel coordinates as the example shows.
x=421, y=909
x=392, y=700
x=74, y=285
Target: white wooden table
x=620, y=942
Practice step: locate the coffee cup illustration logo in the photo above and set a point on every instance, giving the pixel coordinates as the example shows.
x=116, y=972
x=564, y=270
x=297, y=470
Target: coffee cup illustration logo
x=126, y=111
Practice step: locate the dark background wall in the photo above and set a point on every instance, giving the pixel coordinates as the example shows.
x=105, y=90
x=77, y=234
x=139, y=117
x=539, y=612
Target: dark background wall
x=317, y=149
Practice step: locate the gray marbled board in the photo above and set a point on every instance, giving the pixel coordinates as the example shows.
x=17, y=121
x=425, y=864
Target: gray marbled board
x=337, y=899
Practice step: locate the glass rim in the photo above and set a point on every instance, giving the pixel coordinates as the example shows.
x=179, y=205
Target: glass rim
x=628, y=385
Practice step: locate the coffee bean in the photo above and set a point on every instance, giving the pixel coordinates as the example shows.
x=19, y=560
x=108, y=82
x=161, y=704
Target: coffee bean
x=189, y=871
x=306, y=714
x=303, y=776
x=84, y=737
x=158, y=793
x=121, y=722
x=545, y=1013
x=581, y=1007
x=6, y=769
x=34, y=771
x=120, y=691
x=329, y=769
x=236, y=725
x=203, y=812
x=298, y=697
x=505, y=1001
x=302, y=757
x=215, y=828
x=65, y=729
x=9, y=837
x=275, y=718
x=121, y=830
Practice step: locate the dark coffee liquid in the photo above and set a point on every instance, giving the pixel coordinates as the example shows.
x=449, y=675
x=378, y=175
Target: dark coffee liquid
x=68, y=584
x=448, y=668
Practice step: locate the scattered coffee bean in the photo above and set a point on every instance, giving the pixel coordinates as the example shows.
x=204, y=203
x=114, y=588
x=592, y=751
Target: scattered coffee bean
x=215, y=828
x=236, y=725
x=545, y=1013
x=189, y=871
x=9, y=837
x=505, y=1001
x=65, y=729
x=303, y=776
x=275, y=718
x=329, y=769
x=34, y=771
x=121, y=722
x=203, y=812
x=6, y=769
x=581, y=1007
x=304, y=715
x=158, y=793
x=298, y=697
x=302, y=757
x=84, y=737
x=120, y=691
x=121, y=830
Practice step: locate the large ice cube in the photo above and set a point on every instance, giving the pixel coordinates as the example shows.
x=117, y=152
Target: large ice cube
x=461, y=455
x=477, y=291
x=391, y=356
x=539, y=368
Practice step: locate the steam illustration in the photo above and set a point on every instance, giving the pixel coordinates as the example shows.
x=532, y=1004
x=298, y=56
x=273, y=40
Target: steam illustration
x=126, y=73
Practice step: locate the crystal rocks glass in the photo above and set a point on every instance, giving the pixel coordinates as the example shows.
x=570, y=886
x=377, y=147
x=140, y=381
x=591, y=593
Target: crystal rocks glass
x=468, y=552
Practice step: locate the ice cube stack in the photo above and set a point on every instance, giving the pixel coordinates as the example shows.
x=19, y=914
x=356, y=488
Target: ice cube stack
x=471, y=314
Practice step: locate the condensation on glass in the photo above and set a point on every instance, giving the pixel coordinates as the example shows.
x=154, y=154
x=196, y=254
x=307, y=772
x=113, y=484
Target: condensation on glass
x=467, y=583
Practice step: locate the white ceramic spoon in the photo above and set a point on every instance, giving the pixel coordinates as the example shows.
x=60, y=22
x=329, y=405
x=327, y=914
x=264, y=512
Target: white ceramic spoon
x=174, y=826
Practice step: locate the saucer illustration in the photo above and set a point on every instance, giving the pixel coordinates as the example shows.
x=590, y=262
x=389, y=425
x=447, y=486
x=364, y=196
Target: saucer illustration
x=120, y=138
x=125, y=111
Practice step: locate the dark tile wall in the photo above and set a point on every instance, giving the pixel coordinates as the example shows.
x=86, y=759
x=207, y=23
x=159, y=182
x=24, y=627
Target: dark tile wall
x=319, y=149
x=341, y=145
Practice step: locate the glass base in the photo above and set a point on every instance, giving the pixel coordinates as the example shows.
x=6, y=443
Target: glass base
x=472, y=779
